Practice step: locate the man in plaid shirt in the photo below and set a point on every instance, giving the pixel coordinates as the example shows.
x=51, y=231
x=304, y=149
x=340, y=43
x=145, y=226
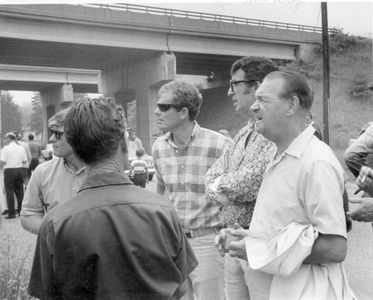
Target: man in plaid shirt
x=182, y=156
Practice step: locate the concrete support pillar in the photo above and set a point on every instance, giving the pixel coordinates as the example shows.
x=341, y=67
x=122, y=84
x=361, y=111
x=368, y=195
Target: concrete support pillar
x=145, y=76
x=52, y=101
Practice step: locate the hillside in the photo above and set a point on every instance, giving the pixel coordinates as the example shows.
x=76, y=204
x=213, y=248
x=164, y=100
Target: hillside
x=351, y=71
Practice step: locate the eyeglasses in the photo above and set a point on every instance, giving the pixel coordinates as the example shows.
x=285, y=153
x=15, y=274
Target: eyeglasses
x=57, y=134
x=163, y=107
x=233, y=82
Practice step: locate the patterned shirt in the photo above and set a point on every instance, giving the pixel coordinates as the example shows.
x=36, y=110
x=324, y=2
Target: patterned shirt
x=240, y=171
x=180, y=172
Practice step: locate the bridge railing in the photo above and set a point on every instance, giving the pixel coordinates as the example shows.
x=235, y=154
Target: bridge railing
x=209, y=17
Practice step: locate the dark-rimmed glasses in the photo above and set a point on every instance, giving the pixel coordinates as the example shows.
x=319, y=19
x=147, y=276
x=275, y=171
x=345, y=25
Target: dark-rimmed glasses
x=163, y=107
x=233, y=82
x=56, y=133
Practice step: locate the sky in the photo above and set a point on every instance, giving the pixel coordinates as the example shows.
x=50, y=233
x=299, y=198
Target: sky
x=352, y=17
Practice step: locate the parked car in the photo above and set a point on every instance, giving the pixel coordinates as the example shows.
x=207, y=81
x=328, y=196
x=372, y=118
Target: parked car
x=149, y=160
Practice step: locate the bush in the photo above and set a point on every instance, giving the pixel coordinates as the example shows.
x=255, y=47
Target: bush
x=359, y=88
x=312, y=71
x=342, y=43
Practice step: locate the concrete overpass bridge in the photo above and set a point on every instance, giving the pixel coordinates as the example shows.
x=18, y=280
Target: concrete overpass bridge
x=137, y=48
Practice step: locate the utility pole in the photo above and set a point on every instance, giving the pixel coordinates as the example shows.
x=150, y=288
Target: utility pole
x=326, y=71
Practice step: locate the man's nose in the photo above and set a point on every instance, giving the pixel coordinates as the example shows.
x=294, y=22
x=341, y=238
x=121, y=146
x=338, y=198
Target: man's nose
x=255, y=106
x=230, y=92
x=52, y=138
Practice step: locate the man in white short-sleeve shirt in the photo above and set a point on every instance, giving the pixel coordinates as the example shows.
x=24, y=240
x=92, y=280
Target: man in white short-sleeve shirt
x=301, y=192
x=13, y=156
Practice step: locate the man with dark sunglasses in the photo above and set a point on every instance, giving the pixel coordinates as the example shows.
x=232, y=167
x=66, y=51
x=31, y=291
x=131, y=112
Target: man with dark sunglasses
x=55, y=181
x=237, y=175
x=181, y=158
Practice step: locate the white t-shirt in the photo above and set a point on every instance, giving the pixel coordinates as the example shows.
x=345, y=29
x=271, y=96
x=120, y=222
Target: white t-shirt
x=13, y=155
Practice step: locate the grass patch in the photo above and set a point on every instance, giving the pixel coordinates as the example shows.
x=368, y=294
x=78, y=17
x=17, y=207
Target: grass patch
x=17, y=248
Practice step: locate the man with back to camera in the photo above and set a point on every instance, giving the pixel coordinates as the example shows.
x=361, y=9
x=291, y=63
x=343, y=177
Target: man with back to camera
x=300, y=200
x=35, y=150
x=54, y=181
x=113, y=240
x=181, y=158
x=13, y=157
x=236, y=176
x=25, y=165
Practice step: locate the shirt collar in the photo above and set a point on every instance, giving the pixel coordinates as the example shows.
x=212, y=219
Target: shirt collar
x=195, y=132
x=68, y=168
x=104, y=179
x=298, y=145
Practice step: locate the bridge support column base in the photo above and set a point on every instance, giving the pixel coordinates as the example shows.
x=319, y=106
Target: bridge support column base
x=145, y=76
x=52, y=101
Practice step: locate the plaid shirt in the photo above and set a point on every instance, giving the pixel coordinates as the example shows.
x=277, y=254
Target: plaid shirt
x=180, y=172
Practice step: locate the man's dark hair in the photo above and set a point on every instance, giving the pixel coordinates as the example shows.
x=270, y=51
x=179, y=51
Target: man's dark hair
x=94, y=128
x=30, y=137
x=254, y=67
x=295, y=85
x=184, y=95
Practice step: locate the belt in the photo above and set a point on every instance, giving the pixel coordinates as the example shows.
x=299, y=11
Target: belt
x=193, y=233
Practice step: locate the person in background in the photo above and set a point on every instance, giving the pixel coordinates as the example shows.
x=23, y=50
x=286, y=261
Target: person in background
x=12, y=158
x=139, y=169
x=26, y=165
x=35, y=150
x=310, y=121
x=181, y=158
x=113, y=240
x=364, y=212
x=297, y=236
x=55, y=181
x=134, y=143
x=357, y=154
x=235, y=178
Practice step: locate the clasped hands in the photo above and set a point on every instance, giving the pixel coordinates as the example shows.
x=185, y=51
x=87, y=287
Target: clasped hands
x=231, y=240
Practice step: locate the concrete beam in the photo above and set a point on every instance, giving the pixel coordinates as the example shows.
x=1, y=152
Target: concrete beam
x=37, y=78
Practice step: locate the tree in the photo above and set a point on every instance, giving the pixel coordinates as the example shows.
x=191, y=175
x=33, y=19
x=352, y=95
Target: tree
x=36, y=122
x=11, y=116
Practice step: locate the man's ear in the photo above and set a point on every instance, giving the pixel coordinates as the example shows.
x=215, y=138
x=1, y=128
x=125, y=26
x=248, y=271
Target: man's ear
x=184, y=113
x=294, y=105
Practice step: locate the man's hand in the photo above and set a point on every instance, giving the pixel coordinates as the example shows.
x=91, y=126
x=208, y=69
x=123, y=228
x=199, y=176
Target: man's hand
x=365, y=180
x=220, y=241
x=236, y=247
x=364, y=213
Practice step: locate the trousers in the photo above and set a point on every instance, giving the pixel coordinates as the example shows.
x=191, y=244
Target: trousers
x=13, y=182
x=235, y=272
x=206, y=282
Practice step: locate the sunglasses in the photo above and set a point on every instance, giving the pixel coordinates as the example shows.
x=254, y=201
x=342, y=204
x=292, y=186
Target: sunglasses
x=165, y=107
x=57, y=134
x=232, y=83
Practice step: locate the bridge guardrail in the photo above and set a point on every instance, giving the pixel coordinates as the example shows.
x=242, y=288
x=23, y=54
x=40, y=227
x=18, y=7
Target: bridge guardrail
x=209, y=17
